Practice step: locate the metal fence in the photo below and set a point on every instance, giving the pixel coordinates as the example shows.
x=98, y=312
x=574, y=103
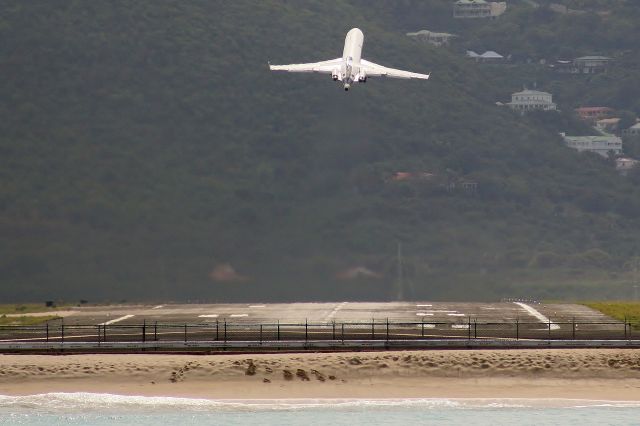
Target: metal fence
x=223, y=331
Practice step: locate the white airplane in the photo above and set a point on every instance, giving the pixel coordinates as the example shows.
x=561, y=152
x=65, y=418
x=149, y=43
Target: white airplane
x=350, y=68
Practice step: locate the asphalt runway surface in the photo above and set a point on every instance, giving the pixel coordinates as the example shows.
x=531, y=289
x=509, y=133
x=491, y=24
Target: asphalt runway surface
x=325, y=321
x=328, y=312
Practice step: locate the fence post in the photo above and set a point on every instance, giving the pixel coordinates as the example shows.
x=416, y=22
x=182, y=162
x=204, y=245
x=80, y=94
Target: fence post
x=185, y=333
x=306, y=330
x=342, y=333
x=217, y=330
x=62, y=332
x=333, y=334
x=48, y=332
x=549, y=332
x=573, y=329
x=625, y=328
x=225, y=330
x=517, y=329
x=387, y=329
x=475, y=328
x=278, y=330
x=155, y=331
x=373, y=329
x=261, y=334
x=144, y=331
x=469, y=327
x=422, y=326
x=104, y=333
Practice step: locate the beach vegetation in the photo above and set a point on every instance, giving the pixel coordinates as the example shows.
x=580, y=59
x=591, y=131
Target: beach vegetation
x=26, y=319
x=27, y=308
x=620, y=310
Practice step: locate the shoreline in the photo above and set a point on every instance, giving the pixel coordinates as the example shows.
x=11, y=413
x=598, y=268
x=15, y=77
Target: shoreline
x=581, y=374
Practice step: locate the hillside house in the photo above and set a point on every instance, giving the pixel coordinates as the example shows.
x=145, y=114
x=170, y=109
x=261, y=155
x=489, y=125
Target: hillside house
x=607, y=125
x=591, y=64
x=531, y=100
x=632, y=131
x=436, y=39
x=603, y=145
x=489, y=56
x=474, y=9
x=593, y=114
x=623, y=164
x=583, y=65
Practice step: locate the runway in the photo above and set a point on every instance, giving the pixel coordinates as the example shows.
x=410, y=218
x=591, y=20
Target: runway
x=334, y=321
x=507, y=312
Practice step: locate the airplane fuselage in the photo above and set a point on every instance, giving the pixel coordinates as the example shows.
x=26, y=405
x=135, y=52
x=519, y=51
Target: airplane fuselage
x=351, y=55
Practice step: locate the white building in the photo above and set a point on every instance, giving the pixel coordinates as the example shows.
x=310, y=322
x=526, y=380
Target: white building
x=602, y=145
x=623, y=165
x=530, y=100
x=469, y=9
x=437, y=39
x=632, y=131
x=488, y=57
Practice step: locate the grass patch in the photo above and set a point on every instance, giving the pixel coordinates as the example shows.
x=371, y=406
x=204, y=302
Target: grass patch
x=28, y=308
x=26, y=320
x=618, y=310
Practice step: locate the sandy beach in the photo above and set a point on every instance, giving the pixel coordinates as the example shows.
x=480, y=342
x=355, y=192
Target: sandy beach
x=581, y=374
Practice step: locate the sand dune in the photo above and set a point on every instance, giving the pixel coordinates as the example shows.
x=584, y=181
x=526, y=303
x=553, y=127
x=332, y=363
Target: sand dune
x=593, y=374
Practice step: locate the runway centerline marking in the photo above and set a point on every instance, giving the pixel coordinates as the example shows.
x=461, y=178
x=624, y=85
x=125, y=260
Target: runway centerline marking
x=257, y=306
x=238, y=315
x=158, y=307
x=538, y=315
x=423, y=306
x=424, y=314
x=113, y=321
x=208, y=316
x=455, y=315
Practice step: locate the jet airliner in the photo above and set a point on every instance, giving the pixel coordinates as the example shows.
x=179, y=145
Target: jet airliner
x=350, y=68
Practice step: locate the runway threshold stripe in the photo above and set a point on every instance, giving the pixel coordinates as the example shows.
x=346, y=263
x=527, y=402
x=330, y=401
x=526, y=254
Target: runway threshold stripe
x=538, y=315
x=113, y=321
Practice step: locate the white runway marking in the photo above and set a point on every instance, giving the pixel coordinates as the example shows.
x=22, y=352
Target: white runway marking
x=424, y=314
x=158, y=307
x=538, y=315
x=257, y=306
x=425, y=325
x=113, y=321
x=423, y=306
x=456, y=315
x=335, y=311
x=238, y=315
x=208, y=316
x=465, y=326
x=443, y=311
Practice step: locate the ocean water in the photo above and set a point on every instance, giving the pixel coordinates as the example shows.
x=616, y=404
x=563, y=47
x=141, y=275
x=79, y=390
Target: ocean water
x=106, y=409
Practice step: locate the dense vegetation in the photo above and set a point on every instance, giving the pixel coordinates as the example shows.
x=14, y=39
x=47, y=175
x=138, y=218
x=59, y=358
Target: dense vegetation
x=143, y=143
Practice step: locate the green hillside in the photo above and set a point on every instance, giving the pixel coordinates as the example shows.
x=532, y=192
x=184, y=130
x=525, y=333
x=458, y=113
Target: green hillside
x=143, y=143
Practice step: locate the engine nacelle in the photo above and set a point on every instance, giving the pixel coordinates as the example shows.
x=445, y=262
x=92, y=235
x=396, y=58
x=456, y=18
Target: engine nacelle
x=335, y=75
x=362, y=77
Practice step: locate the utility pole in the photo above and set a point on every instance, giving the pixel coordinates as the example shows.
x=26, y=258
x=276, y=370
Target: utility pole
x=400, y=282
x=636, y=262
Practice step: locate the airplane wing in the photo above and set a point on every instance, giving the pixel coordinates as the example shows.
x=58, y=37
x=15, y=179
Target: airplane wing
x=321, y=67
x=375, y=70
